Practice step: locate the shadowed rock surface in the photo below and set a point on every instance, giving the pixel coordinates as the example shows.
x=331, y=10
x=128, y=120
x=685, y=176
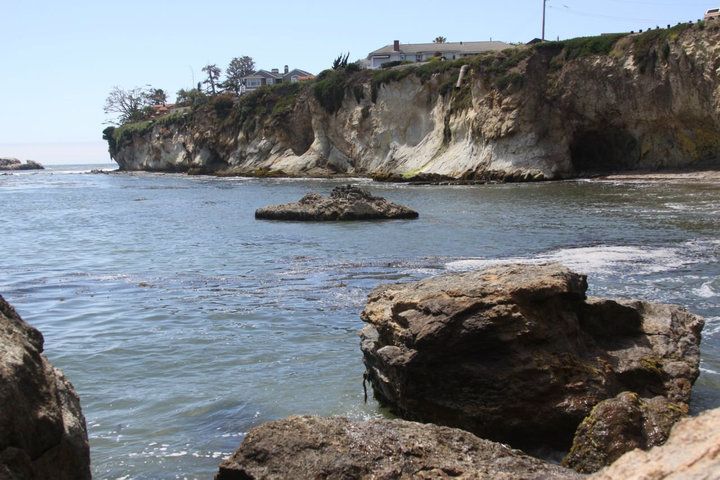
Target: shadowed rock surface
x=338, y=448
x=344, y=203
x=518, y=354
x=15, y=164
x=691, y=453
x=619, y=425
x=42, y=429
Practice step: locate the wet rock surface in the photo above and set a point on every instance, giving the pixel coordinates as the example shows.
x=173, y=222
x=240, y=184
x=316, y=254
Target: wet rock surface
x=619, y=425
x=344, y=203
x=42, y=429
x=517, y=353
x=691, y=453
x=15, y=164
x=338, y=448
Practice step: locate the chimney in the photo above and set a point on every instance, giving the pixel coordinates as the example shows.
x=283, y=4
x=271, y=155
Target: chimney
x=275, y=70
x=396, y=46
x=286, y=69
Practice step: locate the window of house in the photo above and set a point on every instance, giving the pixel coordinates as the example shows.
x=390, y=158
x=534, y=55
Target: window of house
x=418, y=57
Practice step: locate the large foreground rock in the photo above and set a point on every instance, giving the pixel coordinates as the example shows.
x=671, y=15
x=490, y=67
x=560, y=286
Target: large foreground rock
x=518, y=353
x=341, y=449
x=42, y=429
x=344, y=203
x=619, y=425
x=15, y=164
x=691, y=453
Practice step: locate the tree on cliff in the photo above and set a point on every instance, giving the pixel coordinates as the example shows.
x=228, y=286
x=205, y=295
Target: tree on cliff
x=440, y=40
x=213, y=73
x=156, y=96
x=238, y=68
x=129, y=105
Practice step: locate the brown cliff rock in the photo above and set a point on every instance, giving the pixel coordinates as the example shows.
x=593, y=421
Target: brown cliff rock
x=42, y=429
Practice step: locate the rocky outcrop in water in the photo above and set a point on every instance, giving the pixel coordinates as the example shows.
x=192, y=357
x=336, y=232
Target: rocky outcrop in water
x=553, y=110
x=691, y=453
x=518, y=354
x=338, y=449
x=619, y=425
x=15, y=164
x=344, y=203
x=42, y=429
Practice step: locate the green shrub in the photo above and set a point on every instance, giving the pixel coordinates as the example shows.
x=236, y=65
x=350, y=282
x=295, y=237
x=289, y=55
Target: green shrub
x=222, y=104
x=330, y=90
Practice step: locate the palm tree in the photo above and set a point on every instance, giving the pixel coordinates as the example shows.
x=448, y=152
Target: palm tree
x=440, y=40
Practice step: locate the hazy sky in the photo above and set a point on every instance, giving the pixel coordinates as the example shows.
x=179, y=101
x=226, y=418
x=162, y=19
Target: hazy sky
x=59, y=59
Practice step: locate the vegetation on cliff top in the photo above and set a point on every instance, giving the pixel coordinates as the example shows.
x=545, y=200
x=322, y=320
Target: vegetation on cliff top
x=501, y=70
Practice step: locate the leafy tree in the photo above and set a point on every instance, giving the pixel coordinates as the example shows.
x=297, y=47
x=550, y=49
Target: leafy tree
x=440, y=40
x=128, y=105
x=213, y=73
x=341, y=61
x=238, y=68
x=156, y=96
x=190, y=97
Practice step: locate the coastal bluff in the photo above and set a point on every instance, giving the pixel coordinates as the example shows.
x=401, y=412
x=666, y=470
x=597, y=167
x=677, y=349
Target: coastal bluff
x=645, y=101
x=42, y=429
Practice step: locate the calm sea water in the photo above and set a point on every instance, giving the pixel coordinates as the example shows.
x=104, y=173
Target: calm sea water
x=183, y=322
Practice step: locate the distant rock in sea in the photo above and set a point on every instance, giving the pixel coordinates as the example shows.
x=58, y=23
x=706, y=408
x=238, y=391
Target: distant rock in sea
x=344, y=203
x=15, y=164
x=42, y=428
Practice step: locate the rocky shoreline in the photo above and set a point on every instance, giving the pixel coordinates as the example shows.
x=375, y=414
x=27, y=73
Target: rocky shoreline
x=510, y=358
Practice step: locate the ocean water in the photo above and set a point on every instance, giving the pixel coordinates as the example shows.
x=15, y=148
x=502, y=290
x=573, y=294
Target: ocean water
x=183, y=322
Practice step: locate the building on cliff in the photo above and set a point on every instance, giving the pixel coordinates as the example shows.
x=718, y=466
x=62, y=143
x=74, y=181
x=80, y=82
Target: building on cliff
x=272, y=77
x=420, y=52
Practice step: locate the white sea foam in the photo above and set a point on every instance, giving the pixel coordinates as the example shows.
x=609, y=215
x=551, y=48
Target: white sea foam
x=598, y=259
x=705, y=291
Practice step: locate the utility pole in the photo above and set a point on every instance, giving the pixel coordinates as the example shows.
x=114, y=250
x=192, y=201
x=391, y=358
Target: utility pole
x=543, y=22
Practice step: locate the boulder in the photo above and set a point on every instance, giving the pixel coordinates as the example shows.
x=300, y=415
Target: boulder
x=341, y=449
x=15, y=164
x=344, y=203
x=518, y=354
x=42, y=429
x=619, y=425
x=691, y=453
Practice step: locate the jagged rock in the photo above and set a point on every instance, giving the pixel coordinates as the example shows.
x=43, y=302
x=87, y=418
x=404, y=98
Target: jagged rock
x=691, y=453
x=15, y=164
x=619, y=425
x=42, y=429
x=518, y=354
x=344, y=203
x=338, y=448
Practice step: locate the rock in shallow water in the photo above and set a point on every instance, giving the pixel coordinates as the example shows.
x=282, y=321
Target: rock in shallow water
x=344, y=203
x=341, y=449
x=42, y=429
x=518, y=354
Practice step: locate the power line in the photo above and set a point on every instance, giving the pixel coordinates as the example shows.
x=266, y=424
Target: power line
x=600, y=15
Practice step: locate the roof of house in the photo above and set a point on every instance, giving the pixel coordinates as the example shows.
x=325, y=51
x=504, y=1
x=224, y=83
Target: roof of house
x=297, y=72
x=447, y=47
x=292, y=73
x=263, y=74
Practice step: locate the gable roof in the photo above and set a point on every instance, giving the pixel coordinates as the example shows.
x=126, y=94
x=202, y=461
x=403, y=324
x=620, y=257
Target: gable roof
x=263, y=74
x=297, y=72
x=447, y=47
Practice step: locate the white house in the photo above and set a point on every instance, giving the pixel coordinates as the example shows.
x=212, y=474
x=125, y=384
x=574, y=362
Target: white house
x=420, y=52
x=263, y=77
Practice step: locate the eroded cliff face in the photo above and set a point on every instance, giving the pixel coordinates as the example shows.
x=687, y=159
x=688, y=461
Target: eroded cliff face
x=555, y=110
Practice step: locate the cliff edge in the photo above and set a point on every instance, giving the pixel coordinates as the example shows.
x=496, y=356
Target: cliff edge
x=648, y=101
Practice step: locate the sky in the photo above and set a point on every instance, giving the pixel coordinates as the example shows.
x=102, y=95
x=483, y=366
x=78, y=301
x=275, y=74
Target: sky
x=59, y=59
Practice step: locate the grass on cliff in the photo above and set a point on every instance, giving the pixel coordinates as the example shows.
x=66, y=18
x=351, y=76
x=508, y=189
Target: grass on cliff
x=652, y=45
